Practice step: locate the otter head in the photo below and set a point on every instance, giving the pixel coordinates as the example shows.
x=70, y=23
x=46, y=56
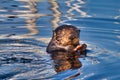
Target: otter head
x=66, y=35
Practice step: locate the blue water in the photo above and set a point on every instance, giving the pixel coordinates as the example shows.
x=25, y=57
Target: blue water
x=26, y=29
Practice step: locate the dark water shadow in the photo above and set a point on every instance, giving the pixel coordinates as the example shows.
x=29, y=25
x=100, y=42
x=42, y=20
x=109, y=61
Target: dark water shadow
x=63, y=61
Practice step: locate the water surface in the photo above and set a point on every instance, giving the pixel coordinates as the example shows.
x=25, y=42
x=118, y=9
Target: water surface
x=26, y=28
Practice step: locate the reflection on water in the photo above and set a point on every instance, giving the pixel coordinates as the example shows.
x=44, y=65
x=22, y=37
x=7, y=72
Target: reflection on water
x=26, y=28
x=22, y=54
x=31, y=20
x=75, y=8
x=25, y=10
x=56, y=13
x=64, y=62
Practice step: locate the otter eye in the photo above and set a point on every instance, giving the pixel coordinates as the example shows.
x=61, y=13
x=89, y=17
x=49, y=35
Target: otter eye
x=71, y=37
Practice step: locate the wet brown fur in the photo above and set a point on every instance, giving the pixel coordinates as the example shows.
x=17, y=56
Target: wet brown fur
x=64, y=47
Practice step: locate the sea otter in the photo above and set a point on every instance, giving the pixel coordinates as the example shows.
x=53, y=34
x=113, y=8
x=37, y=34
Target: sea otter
x=65, y=48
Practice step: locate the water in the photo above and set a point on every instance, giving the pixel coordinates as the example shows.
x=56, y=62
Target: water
x=26, y=28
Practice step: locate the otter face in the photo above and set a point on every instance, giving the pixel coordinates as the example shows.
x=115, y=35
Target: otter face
x=67, y=36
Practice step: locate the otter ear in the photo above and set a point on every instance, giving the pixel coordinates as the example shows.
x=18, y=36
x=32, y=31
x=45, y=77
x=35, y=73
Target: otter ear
x=78, y=30
x=54, y=33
